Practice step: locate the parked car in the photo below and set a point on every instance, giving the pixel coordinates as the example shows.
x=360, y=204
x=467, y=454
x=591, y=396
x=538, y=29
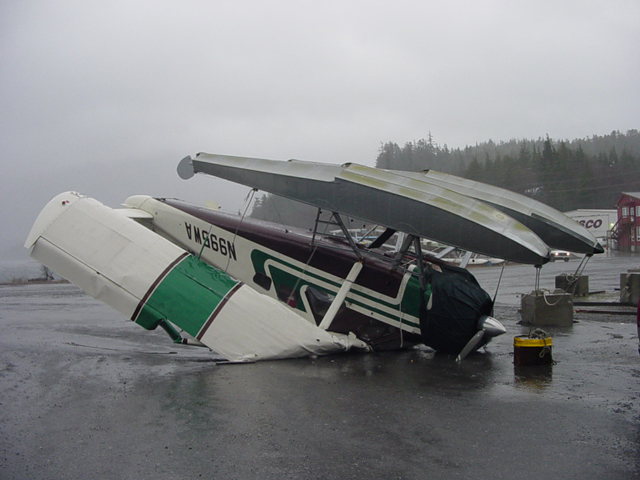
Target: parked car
x=560, y=255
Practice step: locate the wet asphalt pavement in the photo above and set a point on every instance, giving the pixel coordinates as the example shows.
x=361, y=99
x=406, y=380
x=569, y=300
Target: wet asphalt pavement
x=86, y=394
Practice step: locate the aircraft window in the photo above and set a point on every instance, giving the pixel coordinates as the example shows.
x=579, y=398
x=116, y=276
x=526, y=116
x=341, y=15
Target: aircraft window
x=287, y=295
x=319, y=302
x=262, y=280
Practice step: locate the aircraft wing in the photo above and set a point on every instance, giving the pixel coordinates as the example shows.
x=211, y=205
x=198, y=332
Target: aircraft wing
x=555, y=228
x=397, y=201
x=158, y=284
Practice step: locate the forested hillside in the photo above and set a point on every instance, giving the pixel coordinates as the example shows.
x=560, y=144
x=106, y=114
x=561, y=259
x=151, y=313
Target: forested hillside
x=581, y=173
x=566, y=174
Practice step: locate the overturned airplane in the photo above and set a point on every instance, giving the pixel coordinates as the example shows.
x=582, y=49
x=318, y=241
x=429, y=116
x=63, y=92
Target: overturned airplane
x=252, y=290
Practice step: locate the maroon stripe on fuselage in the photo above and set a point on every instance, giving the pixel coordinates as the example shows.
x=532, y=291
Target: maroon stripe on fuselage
x=377, y=274
x=153, y=286
x=217, y=310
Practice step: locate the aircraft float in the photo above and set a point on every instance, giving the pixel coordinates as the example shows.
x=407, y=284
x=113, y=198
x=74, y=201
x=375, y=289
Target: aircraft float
x=252, y=290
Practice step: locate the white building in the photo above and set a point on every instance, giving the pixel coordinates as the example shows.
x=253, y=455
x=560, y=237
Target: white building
x=598, y=222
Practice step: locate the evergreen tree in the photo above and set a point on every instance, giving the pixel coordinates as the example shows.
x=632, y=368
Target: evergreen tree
x=581, y=173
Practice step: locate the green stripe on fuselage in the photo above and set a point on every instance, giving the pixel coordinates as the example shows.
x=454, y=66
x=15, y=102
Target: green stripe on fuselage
x=186, y=296
x=409, y=303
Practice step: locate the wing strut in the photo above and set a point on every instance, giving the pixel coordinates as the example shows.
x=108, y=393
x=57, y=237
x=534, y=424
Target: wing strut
x=384, y=236
x=406, y=244
x=337, y=302
x=341, y=295
x=337, y=220
x=420, y=263
x=465, y=259
x=346, y=233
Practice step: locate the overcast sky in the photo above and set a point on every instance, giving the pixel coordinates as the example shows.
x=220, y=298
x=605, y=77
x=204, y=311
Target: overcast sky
x=106, y=97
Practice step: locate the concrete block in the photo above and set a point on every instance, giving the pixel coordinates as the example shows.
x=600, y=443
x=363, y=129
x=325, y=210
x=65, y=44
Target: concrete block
x=629, y=288
x=577, y=285
x=547, y=309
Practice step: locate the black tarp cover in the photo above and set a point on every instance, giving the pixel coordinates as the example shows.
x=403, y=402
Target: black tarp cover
x=458, y=303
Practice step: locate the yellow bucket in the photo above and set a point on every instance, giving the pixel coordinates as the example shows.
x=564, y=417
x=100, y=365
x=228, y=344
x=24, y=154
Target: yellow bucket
x=532, y=351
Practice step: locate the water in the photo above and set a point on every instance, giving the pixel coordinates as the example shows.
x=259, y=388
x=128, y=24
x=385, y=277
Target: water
x=20, y=270
x=82, y=386
x=517, y=280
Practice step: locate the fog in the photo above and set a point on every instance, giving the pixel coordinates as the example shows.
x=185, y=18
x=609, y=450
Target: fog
x=105, y=98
